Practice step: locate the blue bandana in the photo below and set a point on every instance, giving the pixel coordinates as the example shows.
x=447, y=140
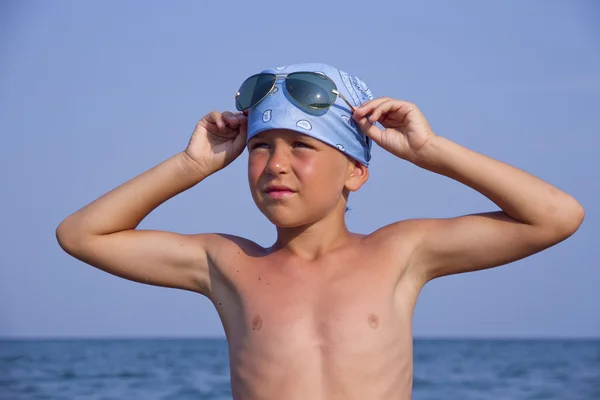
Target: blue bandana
x=333, y=126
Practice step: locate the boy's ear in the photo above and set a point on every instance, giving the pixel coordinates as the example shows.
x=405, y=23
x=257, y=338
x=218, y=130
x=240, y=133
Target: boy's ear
x=358, y=175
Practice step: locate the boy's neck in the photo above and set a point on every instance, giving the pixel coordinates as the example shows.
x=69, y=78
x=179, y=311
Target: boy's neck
x=313, y=240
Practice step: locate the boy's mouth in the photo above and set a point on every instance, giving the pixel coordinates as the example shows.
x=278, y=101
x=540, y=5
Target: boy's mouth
x=278, y=191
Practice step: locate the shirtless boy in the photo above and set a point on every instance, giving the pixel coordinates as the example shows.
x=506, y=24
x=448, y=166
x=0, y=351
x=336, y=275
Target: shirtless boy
x=323, y=313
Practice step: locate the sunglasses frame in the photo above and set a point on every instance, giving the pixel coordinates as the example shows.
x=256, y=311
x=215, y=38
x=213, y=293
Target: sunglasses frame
x=285, y=76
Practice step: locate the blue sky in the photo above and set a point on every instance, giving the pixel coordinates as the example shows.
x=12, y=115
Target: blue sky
x=94, y=93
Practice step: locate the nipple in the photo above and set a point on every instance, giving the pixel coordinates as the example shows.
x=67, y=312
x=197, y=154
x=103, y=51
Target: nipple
x=373, y=321
x=256, y=323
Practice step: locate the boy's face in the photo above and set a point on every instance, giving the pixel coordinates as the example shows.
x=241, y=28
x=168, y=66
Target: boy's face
x=296, y=179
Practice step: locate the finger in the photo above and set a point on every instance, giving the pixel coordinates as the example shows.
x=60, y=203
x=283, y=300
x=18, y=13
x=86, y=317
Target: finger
x=230, y=119
x=370, y=129
x=234, y=120
x=387, y=107
x=243, y=120
x=370, y=103
x=233, y=125
x=216, y=118
x=367, y=107
x=240, y=139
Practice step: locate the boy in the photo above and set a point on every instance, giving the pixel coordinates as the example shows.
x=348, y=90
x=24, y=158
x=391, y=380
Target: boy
x=323, y=313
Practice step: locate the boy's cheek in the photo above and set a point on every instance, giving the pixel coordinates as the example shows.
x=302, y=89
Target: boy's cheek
x=255, y=166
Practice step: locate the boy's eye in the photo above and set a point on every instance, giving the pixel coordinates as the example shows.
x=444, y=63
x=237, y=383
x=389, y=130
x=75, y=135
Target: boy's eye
x=302, y=145
x=258, y=145
x=264, y=145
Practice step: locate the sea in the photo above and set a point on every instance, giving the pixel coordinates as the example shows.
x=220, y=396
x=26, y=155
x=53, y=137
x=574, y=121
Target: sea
x=199, y=369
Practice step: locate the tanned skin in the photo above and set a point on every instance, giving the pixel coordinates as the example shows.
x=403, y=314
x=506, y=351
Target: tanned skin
x=323, y=313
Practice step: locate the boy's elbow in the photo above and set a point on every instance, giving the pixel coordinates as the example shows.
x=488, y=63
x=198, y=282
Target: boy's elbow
x=61, y=234
x=67, y=236
x=576, y=218
x=568, y=219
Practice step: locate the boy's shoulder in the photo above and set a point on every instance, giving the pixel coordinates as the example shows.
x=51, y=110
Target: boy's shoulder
x=407, y=232
x=392, y=242
x=404, y=232
x=223, y=246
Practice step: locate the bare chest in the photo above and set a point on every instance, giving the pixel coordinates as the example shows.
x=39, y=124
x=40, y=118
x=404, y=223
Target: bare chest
x=316, y=331
x=354, y=306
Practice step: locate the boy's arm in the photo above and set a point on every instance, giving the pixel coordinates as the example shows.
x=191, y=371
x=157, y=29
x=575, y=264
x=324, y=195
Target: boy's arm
x=535, y=215
x=103, y=233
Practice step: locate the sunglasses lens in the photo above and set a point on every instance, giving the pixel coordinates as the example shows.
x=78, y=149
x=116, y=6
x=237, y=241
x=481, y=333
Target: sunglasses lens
x=311, y=89
x=253, y=90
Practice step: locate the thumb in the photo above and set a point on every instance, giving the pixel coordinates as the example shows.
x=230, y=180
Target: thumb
x=370, y=129
x=240, y=139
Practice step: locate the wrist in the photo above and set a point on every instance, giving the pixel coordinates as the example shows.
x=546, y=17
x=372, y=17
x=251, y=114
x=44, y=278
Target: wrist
x=428, y=156
x=192, y=168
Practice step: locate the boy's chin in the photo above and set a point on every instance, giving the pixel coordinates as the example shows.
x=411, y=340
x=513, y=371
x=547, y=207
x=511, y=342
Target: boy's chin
x=287, y=219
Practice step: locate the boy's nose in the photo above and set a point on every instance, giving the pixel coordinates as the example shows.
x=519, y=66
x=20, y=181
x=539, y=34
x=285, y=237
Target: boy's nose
x=278, y=162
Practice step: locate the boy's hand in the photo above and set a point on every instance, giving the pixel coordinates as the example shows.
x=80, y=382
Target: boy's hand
x=219, y=138
x=407, y=130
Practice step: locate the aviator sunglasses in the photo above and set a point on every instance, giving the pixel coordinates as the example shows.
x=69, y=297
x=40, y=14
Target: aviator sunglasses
x=309, y=89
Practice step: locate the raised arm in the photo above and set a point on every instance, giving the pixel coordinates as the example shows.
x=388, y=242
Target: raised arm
x=104, y=235
x=535, y=215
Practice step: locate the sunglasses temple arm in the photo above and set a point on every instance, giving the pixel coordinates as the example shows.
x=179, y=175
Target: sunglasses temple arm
x=344, y=98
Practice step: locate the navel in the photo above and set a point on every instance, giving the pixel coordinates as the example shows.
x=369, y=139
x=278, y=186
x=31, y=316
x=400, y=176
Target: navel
x=373, y=321
x=256, y=323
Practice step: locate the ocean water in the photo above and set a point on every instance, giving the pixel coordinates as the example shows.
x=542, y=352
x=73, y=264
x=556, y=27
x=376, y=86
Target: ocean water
x=199, y=369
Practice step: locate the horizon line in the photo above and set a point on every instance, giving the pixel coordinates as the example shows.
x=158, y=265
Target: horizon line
x=223, y=338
